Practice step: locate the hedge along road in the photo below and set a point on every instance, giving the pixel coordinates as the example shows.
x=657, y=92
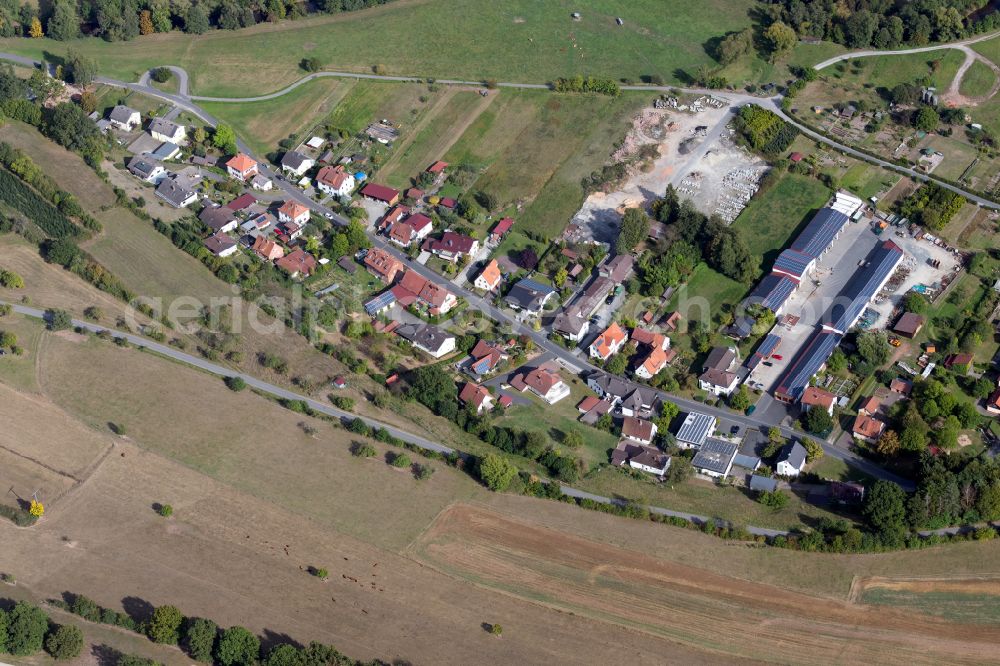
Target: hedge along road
x=345, y=417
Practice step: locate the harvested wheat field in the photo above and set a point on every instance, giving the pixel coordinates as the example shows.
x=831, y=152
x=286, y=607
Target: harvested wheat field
x=241, y=560
x=417, y=568
x=682, y=602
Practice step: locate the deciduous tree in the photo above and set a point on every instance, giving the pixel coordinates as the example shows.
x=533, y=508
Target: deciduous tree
x=66, y=642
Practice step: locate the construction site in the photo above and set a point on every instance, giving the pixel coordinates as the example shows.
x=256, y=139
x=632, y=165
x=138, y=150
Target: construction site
x=685, y=143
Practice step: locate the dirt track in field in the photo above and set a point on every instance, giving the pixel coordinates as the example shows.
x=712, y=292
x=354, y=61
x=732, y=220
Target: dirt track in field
x=686, y=603
x=989, y=585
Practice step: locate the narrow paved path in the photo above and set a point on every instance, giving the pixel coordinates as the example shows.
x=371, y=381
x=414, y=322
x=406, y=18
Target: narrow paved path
x=962, y=45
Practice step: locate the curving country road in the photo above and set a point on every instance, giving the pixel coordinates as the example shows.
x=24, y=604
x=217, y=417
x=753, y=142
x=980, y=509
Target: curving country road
x=961, y=45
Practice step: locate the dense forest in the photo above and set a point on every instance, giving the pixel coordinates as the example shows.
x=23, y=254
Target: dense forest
x=883, y=23
x=120, y=20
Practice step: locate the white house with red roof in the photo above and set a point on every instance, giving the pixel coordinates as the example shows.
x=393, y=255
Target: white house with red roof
x=608, y=343
x=335, y=181
x=242, y=167
x=413, y=229
x=294, y=212
x=490, y=278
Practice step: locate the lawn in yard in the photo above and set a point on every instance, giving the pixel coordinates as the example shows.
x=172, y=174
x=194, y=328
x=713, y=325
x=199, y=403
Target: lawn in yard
x=263, y=124
x=867, y=180
x=559, y=419
x=836, y=469
x=514, y=243
x=110, y=96
x=704, y=498
x=564, y=138
x=707, y=294
x=517, y=40
x=958, y=155
x=977, y=81
x=772, y=218
x=439, y=129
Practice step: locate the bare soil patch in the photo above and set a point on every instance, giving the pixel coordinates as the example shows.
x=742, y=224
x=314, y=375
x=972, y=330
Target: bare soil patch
x=966, y=585
x=670, y=599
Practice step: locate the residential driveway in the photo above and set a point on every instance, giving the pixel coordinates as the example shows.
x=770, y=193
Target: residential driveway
x=475, y=264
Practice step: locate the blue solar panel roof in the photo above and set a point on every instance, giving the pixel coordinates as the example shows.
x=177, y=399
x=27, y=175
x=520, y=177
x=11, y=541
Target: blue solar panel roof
x=820, y=232
x=792, y=263
x=807, y=363
x=383, y=300
x=862, y=287
x=772, y=291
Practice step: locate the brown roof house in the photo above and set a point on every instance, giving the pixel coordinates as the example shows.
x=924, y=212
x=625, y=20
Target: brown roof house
x=267, y=249
x=817, y=397
x=643, y=458
x=719, y=372
x=638, y=430
x=476, y=396
x=383, y=265
x=867, y=428
x=545, y=382
x=298, y=263
x=618, y=269
x=909, y=325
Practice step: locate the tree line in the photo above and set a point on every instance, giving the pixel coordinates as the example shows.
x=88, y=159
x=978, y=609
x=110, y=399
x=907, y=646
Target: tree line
x=123, y=20
x=204, y=641
x=861, y=24
x=26, y=630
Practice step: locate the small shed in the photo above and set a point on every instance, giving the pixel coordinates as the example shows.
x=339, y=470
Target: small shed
x=909, y=325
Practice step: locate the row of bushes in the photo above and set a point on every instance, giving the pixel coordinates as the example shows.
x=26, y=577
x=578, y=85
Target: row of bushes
x=25, y=168
x=26, y=629
x=15, y=193
x=590, y=84
x=68, y=254
x=202, y=639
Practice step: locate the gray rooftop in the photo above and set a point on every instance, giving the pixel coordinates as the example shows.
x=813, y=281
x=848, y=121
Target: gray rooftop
x=175, y=189
x=696, y=428
x=293, y=159
x=122, y=114
x=425, y=335
x=163, y=126
x=794, y=454
x=716, y=456
x=763, y=483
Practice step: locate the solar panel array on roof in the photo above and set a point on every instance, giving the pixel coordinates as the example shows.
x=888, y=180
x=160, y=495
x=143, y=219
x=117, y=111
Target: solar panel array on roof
x=820, y=232
x=792, y=263
x=380, y=302
x=696, y=428
x=807, y=363
x=765, y=349
x=862, y=287
x=716, y=456
x=772, y=292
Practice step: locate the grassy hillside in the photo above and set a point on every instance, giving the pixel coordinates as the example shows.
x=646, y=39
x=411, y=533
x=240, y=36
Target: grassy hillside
x=517, y=40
